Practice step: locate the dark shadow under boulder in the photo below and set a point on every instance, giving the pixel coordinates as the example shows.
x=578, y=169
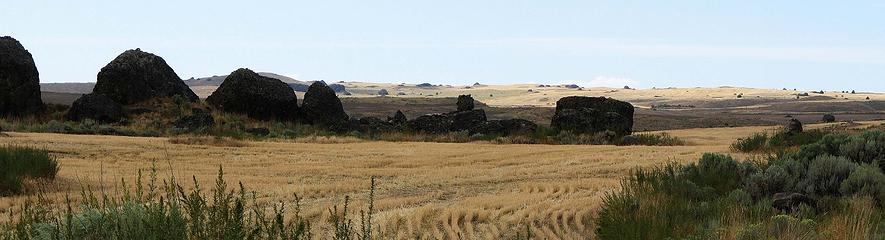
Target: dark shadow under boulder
x=198, y=120
x=96, y=107
x=263, y=98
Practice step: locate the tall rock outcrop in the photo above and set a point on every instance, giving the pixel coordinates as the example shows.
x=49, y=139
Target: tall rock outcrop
x=264, y=98
x=136, y=76
x=321, y=106
x=19, y=80
x=580, y=114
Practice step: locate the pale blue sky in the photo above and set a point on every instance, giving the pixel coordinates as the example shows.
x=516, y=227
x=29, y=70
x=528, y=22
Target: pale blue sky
x=830, y=45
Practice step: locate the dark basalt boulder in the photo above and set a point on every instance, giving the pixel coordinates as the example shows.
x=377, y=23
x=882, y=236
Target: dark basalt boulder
x=790, y=201
x=398, y=118
x=321, y=106
x=19, y=80
x=794, y=126
x=96, y=107
x=264, y=98
x=136, y=76
x=465, y=103
x=465, y=120
x=593, y=114
x=198, y=120
x=828, y=118
x=431, y=123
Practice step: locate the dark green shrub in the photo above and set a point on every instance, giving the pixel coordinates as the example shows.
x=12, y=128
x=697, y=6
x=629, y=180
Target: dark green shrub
x=17, y=163
x=719, y=172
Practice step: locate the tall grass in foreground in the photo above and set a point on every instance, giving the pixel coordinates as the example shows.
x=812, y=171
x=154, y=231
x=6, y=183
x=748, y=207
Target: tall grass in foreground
x=19, y=163
x=165, y=211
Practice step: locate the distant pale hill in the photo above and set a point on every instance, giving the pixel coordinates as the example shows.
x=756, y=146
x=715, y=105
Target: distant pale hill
x=538, y=95
x=80, y=88
x=217, y=80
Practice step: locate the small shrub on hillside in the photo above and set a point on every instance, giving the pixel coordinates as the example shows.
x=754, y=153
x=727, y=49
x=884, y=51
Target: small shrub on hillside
x=17, y=163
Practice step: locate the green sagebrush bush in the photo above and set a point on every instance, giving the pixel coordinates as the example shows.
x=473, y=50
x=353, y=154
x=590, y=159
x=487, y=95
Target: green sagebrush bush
x=17, y=163
x=866, y=180
x=697, y=201
x=681, y=193
x=825, y=175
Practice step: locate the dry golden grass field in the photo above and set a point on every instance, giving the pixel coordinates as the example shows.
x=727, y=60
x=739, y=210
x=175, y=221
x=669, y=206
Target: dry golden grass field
x=436, y=190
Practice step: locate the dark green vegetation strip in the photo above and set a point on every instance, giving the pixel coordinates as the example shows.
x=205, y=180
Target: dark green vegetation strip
x=833, y=188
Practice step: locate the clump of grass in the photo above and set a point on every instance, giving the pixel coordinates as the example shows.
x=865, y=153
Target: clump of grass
x=208, y=140
x=764, y=142
x=166, y=211
x=650, y=139
x=17, y=163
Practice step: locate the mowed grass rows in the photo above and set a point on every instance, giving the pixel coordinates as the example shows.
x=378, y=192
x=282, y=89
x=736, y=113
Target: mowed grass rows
x=432, y=190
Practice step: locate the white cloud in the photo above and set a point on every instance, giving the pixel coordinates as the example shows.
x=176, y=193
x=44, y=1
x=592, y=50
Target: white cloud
x=608, y=81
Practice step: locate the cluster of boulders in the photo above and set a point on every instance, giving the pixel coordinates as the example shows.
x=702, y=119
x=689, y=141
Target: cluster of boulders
x=19, y=80
x=593, y=115
x=246, y=92
x=467, y=118
x=259, y=97
x=132, y=77
x=136, y=77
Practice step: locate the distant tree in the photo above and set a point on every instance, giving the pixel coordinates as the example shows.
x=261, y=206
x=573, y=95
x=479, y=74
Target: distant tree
x=852, y=92
x=383, y=92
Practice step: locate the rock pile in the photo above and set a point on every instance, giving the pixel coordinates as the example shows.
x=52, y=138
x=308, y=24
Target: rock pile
x=592, y=115
x=244, y=91
x=19, y=80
